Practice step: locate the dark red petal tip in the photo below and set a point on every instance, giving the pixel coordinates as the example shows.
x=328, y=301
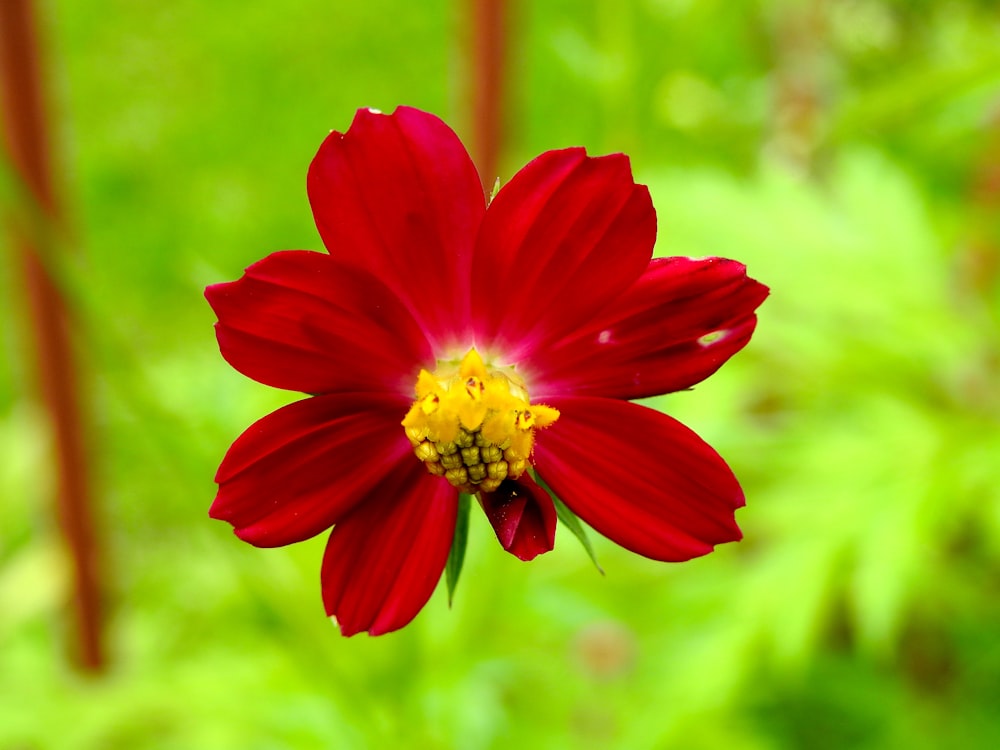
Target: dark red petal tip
x=399, y=196
x=300, y=469
x=679, y=323
x=304, y=321
x=563, y=238
x=384, y=560
x=639, y=477
x=523, y=516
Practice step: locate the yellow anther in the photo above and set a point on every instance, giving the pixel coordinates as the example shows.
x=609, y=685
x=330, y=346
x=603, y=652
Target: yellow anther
x=472, y=366
x=474, y=423
x=498, y=427
x=429, y=403
x=426, y=383
x=474, y=387
x=543, y=415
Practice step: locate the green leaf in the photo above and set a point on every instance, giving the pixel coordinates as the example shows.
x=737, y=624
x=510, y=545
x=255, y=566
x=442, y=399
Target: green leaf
x=571, y=522
x=456, y=557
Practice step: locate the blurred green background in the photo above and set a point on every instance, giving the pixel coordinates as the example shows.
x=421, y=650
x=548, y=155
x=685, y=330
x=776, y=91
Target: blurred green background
x=846, y=150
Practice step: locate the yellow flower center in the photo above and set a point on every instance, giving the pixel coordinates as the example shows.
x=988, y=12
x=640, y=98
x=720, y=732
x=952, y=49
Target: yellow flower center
x=474, y=425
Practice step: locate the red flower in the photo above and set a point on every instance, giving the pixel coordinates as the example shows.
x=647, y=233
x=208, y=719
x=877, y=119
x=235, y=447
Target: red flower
x=450, y=346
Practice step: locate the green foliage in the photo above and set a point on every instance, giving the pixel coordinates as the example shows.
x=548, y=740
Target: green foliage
x=838, y=148
x=456, y=556
x=573, y=524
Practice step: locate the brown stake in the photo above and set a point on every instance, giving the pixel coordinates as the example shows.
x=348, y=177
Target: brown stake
x=488, y=57
x=26, y=143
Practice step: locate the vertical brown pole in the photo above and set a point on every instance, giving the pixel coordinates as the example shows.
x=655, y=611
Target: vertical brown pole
x=488, y=64
x=25, y=139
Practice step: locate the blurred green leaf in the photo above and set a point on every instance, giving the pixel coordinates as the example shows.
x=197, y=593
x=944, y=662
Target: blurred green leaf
x=569, y=519
x=456, y=556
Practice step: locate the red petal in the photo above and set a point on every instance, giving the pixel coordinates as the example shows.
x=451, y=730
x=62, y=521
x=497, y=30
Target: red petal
x=565, y=236
x=650, y=340
x=383, y=560
x=639, y=477
x=399, y=196
x=300, y=469
x=523, y=517
x=306, y=322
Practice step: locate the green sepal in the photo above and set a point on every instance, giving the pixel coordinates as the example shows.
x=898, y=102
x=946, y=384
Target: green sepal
x=569, y=519
x=456, y=557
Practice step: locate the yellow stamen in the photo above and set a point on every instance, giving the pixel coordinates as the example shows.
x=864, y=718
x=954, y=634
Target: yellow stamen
x=474, y=424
